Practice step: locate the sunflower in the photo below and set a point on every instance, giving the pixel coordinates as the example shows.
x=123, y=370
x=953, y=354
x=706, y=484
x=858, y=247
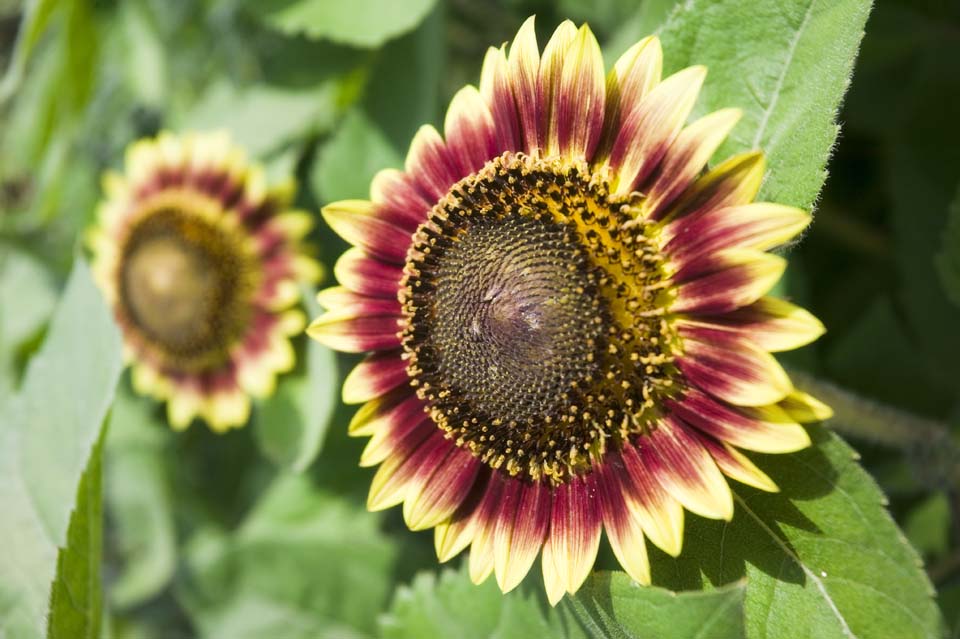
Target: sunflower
x=200, y=262
x=567, y=315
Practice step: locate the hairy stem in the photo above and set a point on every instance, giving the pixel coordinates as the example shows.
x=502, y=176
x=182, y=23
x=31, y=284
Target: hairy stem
x=934, y=451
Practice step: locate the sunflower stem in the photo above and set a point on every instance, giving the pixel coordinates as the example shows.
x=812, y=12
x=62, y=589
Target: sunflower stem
x=933, y=450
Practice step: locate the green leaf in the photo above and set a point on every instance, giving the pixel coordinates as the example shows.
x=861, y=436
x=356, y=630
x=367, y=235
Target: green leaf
x=948, y=261
x=787, y=64
x=139, y=500
x=361, y=23
x=291, y=425
x=76, y=598
x=610, y=605
x=403, y=92
x=647, y=19
x=613, y=605
x=823, y=554
x=302, y=551
x=351, y=158
x=264, y=118
x=46, y=435
x=451, y=606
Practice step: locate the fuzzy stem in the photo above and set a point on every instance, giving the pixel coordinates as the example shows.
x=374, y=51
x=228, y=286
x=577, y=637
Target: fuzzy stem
x=936, y=454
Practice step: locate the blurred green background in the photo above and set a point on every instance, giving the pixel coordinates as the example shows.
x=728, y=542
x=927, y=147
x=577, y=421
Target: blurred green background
x=221, y=535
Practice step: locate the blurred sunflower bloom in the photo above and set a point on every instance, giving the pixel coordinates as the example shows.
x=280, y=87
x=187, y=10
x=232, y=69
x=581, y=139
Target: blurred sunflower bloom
x=568, y=316
x=200, y=262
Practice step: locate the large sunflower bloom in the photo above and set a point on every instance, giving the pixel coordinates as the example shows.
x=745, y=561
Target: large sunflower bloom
x=200, y=261
x=567, y=315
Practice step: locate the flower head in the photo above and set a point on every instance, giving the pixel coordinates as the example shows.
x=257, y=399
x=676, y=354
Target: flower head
x=567, y=315
x=200, y=261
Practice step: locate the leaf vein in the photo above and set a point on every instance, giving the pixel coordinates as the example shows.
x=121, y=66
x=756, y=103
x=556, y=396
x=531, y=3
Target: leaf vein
x=778, y=88
x=844, y=627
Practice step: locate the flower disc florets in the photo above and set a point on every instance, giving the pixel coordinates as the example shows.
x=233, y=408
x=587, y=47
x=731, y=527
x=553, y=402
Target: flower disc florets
x=535, y=316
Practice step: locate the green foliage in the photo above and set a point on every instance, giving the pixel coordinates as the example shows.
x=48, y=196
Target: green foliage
x=264, y=118
x=303, y=563
x=76, y=596
x=362, y=23
x=452, y=606
x=787, y=65
x=27, y=297
x=262, y=532
x=291, y=425
x=610, y=605
x=353, y=156
x=138, y=497
x=822, y=554
x=47, y=433
x=404, y=90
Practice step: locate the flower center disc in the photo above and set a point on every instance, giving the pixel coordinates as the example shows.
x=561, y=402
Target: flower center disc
x=182, y=283
x=534, y=325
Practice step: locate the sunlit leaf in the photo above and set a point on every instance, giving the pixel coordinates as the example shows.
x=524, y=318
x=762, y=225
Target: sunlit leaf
x=450, y=605
x=76, y=596
x=824, y=553
x=610, y=605
x=787, y=64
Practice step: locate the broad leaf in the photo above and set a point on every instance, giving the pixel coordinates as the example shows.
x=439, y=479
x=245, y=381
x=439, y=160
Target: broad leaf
x=264, y=118
x=647, y=19
x=612, y=605
x=403, y=91
x=451, y=606
x=787, y=65
x=76, y=599
x=303, y=554
x=609, y=605
x=347, y=164
x=46, y=435
x=823, y=554
x=361, y=23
